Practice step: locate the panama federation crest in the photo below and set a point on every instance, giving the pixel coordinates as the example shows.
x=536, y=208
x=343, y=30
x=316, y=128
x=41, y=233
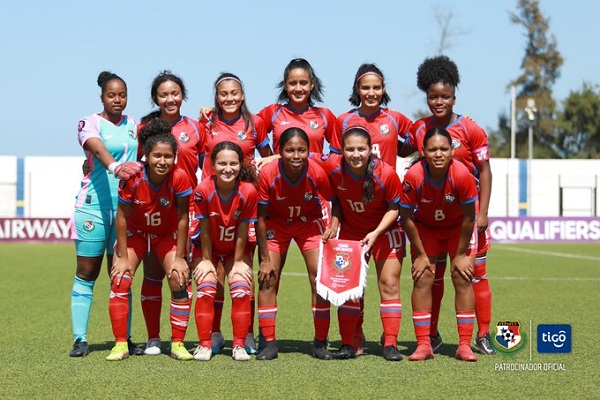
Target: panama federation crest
x=164, y=201
x=241, y=135
x=384, y=129
x=88, y=226
x=342, y=262
x=183, y=137
x=508, y=335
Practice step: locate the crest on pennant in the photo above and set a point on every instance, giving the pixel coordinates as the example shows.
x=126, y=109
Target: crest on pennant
x=342, y=262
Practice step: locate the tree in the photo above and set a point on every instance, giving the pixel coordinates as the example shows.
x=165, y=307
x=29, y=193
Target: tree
x=579, y=123
x=540, y=70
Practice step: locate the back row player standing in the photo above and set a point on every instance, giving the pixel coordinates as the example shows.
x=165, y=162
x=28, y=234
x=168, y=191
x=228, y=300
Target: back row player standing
x=438, y=77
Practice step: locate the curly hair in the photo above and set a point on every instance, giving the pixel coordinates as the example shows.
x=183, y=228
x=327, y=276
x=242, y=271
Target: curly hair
x=437, y=69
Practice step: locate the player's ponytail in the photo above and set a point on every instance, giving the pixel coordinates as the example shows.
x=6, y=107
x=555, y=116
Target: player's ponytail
x=106, y=76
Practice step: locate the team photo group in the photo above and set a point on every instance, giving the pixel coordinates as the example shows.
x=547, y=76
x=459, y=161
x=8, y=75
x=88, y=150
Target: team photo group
x=197, y=200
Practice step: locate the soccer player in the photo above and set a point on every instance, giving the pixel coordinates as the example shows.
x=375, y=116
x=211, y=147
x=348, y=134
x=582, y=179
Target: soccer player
x=300, y=89
x=152, y=215
x=387, y=128
x=366, y=205
x=438, y=216
x=438, y=77
x=290, y=193
x=231, y=121
x=168, y=92
x=225, y=204
x=109, y=141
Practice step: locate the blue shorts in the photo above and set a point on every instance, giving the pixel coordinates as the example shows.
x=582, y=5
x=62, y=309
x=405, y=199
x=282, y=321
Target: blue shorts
x=93, y=231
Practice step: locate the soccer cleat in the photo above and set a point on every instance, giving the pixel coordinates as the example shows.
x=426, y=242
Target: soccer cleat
x=262, y=343
x=270, y=351
x=202, y=353
x=320, y=350
x=239, y=354
x=391, y=353
x=179, y=352
x=250, y=344
x=153, y=347
x=422, y=353
x=119, y=352
x=484, y=344
x=133, y=348
x=217, y=342
x=345, y=352
x=465, y=353
x=436, y=341
x=80, y=349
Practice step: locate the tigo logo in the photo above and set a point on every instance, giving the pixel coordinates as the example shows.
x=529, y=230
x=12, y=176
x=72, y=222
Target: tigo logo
x=554, y=338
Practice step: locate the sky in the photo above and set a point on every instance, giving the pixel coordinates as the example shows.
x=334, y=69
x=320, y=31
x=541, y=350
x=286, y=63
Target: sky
x=52, y=52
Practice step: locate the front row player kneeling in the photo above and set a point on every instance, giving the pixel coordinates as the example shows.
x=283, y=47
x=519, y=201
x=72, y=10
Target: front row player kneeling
x=438, y=217
x=152, y=214
x=226, y=204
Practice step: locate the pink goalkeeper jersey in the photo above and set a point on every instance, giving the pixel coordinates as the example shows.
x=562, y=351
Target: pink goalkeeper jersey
x=438, y=205
x=319, y=123
x=386, y=127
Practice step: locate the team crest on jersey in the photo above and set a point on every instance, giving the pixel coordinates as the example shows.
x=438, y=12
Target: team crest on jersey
x=384, y=129
x=88, y=226
x=342, y=262
x=270, y=234
x=455, y=143
x=198, y=198
x=448, y=198
x=241, y=135
x=164, y=201
x=303, y=218
x=237, y=214
x=508, y=335
x=313, y=124
x=183, y=137
x=308, y=196
x=80, y=126
x=406, y=187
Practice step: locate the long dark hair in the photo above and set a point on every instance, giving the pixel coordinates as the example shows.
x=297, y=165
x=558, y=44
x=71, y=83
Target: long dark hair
x=162, y=77
x=316, y=94
x=369, y=183
x=363, y=70
x=246, y=115
x=247, y=172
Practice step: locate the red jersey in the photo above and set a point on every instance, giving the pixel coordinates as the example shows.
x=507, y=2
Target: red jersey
x=293, y=201
x=224, y=215
x=249, y=139
x=190, y=145
x=154, y=209
x=359, y=216
x=438, y=205
x=468, y=139
x=386, y=127
x=319, y=123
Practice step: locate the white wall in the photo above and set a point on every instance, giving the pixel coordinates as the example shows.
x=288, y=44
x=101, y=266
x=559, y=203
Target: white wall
x=51, y=184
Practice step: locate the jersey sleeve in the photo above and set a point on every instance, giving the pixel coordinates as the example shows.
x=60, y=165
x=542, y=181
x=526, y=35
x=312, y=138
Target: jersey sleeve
x=262, y=137
x=266, y=114
x=251, y=208
x=465, y=182
x=126, y=191
x=322, y=181
x=181, y=183
x=408, y=197
x=478, y=141
x=333, y=133
x=264, y=180
x=87, y=128
x=392, y=184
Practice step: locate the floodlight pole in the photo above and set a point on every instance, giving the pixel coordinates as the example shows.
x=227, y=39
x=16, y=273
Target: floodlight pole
x=530, y=110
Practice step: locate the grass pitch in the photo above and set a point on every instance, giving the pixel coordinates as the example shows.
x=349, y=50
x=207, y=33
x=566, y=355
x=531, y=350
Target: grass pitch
x=534, y=284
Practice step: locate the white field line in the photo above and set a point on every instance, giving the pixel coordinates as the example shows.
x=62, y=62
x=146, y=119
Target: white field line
x=550, y=253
